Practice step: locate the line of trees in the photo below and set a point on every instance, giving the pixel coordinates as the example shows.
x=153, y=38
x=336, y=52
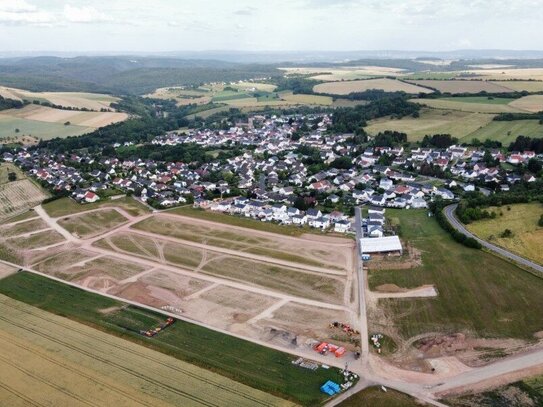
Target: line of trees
x=437, y=209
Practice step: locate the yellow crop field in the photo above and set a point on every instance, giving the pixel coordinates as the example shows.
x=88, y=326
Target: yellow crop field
x=388, y=85
x=509, y=73
x=51, y=115
x=531, y=103
x=461, y=86
x=519, y=86
x=92, y=101
x=475, y=106
x=522, y=220
x=49, y=360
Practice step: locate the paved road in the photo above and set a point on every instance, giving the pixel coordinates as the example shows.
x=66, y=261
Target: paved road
x=361, y=292
x=449, y=213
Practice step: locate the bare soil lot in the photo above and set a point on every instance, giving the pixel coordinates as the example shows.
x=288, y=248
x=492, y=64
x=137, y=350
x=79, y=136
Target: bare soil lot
x=308, y=322
x=92, y=224
x=336, y=255
x=28, y=226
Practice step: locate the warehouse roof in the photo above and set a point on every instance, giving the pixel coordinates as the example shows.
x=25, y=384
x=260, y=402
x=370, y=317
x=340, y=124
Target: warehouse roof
x=381, y=244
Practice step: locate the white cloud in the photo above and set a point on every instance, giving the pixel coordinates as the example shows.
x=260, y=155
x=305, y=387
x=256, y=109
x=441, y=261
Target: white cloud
x=16, y=6
x=84, y=14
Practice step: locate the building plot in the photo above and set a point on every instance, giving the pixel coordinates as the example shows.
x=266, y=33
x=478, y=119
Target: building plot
x=227, y=277
x=336, y=254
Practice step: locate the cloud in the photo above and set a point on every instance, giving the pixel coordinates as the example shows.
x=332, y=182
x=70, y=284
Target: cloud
x=247, y=11
x=85, y=14
x=21, y=12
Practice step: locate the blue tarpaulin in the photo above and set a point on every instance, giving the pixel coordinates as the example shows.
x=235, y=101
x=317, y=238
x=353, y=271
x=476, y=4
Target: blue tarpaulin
x=330, y=388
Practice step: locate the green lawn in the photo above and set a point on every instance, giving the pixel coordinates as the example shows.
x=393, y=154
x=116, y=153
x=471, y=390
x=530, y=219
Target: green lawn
x=507, y=132
x=257, y=366
x=67, y=206
x=376, y=397
x=478, y=292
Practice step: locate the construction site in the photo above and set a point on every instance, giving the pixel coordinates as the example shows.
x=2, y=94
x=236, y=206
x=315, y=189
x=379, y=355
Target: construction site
x=279, y=290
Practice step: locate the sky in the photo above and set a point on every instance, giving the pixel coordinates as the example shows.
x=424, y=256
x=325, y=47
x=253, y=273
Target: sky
x=268, y=25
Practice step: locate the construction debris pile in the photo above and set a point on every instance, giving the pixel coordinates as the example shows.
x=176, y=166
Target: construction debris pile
x=306, y=364
x=375, y=339
x=152, y=332
x=344, y=327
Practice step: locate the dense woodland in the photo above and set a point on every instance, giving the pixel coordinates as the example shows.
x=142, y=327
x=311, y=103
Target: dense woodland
x=121, y=75
x=353, y=120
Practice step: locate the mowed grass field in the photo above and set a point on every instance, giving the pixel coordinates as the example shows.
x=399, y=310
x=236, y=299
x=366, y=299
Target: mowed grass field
x=18, y=196
x=254, y=365
x=388, y=85
x=47, y=359
x=522, y=220
x=479, y=293
x=507, y=132
x=433, y=121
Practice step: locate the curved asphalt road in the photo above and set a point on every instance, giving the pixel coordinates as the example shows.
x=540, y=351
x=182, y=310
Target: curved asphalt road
x=449, y=213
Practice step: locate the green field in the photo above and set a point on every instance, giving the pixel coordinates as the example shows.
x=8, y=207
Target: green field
x=507, y=132
x=66, y=206
x=479, y=293
x=375, y=397
x=37, y=129
x=433, y=121
x=257, y=366
x=522, y=220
